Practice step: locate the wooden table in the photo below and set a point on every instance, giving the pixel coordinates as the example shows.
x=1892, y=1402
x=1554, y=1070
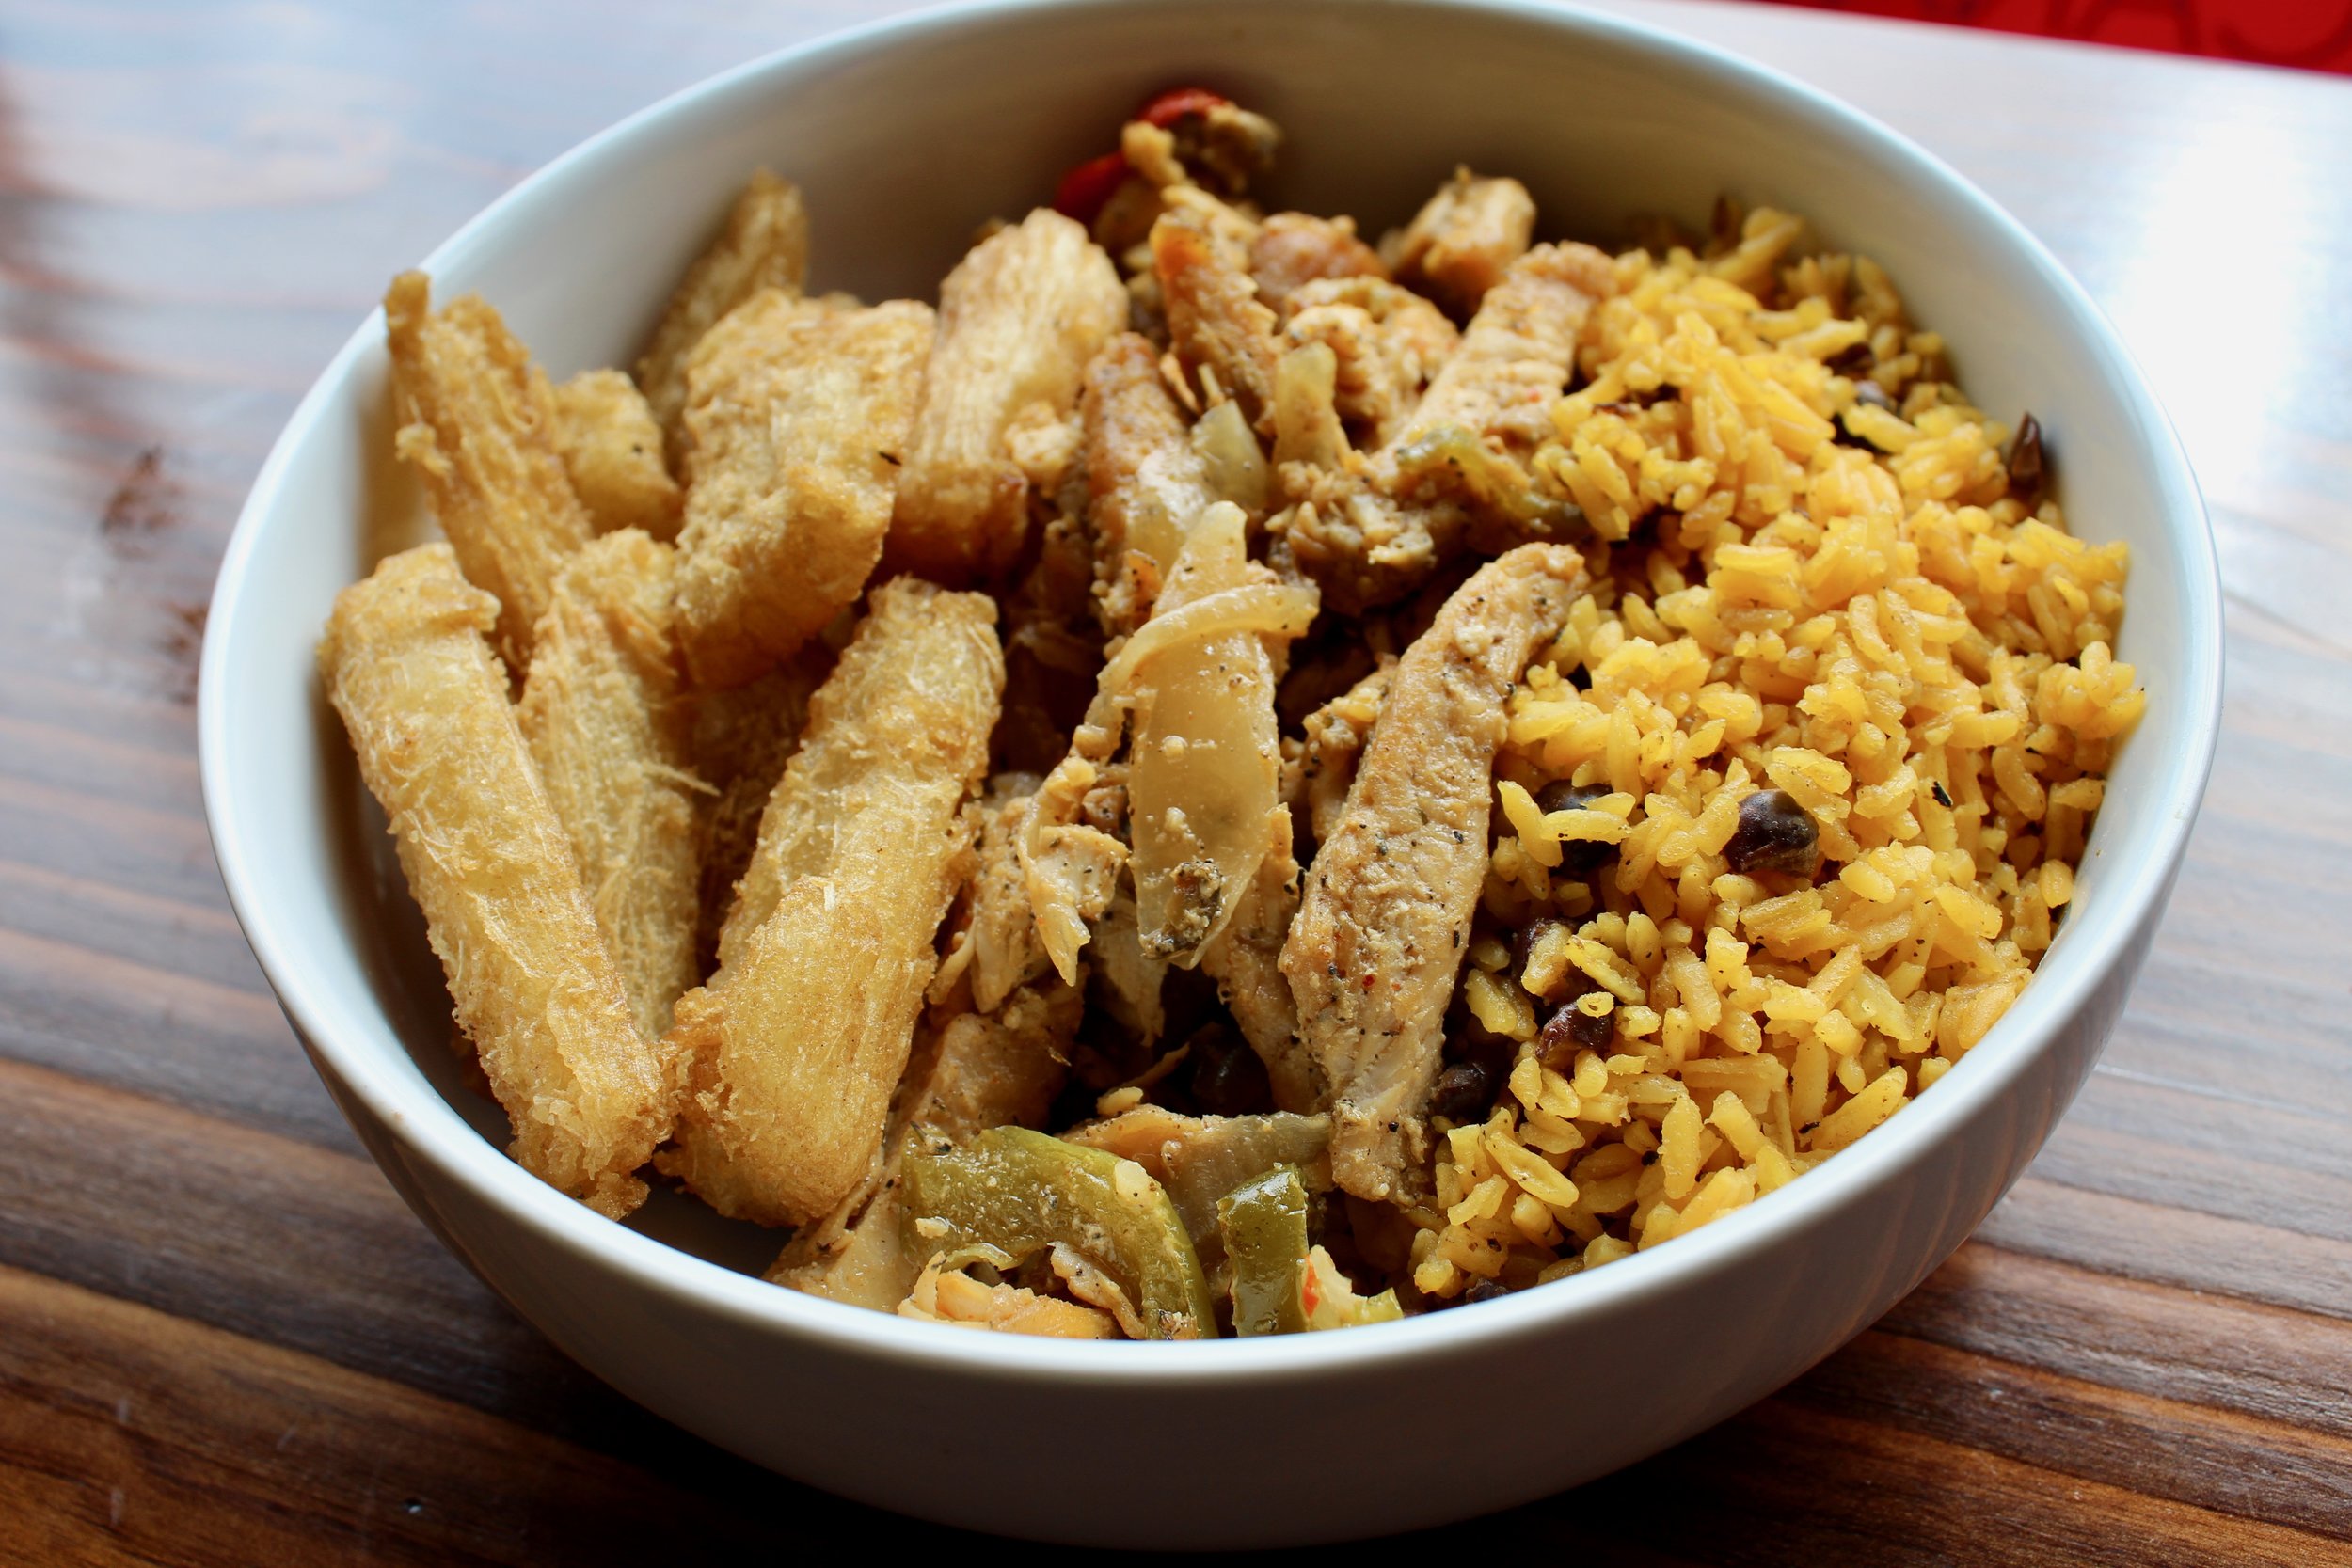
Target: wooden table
x=224, y=1341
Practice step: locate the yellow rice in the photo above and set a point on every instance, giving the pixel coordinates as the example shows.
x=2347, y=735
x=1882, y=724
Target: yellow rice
x=1876, y=632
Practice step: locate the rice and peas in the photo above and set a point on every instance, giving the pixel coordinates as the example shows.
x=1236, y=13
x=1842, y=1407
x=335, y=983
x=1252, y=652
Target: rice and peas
x=1839, y=590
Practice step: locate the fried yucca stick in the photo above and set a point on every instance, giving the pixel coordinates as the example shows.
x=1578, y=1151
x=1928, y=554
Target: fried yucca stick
x=878, y=696
x=612, y=450
x=999, y=1068
x=478, y=420
x=764, y=246
x=797, y=416
x=405, y=663
x=789, y=1056
x=610, y=732
x=1019, y=317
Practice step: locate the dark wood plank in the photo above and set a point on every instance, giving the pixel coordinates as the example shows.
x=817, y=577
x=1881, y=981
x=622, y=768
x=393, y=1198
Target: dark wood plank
x=1870, y=1493
x=128, y=1435
x=2212, y=1253
x=186, y=937
x=118, y=1021
x=2273, y=1363
x=275, y=1242
x=2219, y=1462
x=266, y=1237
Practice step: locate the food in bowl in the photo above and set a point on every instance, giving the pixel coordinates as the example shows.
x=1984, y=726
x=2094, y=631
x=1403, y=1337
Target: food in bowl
x=1229, y=779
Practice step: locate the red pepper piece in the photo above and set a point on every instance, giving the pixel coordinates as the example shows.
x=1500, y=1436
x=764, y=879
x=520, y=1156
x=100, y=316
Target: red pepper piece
x=1165, y=109
x=1088, y=186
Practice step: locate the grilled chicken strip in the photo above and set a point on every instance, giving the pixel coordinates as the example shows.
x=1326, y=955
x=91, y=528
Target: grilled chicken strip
x=1372, y=956
x=1145, y=481
x=1216, y=321
x=1459, y=242
x=1389, y=343
x=1291, y=249
x=1371, y=528
x=1518, y=351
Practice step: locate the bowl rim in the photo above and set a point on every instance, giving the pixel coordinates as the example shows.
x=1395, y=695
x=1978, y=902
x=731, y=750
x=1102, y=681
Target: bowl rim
x=435, y=1133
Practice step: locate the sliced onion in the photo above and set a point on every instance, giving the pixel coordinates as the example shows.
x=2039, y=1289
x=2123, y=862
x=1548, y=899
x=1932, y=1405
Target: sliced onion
x=1284, y=609
x=1204, y=769
x=1236, y=466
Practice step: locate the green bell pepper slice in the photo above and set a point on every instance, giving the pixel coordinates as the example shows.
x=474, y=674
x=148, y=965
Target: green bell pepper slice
x=1265, y=1225
x=1281, y=1284
x=1023, y=1191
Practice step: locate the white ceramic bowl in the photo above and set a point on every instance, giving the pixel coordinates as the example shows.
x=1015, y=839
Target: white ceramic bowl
x=905, y=137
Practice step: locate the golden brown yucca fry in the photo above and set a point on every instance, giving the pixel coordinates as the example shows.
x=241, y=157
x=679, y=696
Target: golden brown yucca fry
x=996, y=1067
x=743, y=736
x=405, y=663
x=609, y=731
x=789, y=1058
x=1019, y=317
x=764, y=246
x=612, y=450
x=797, y=416
x=478, y=420
x=897, y=700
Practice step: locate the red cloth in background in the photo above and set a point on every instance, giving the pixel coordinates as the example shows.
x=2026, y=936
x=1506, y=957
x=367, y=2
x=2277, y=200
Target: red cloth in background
x=2314, y=35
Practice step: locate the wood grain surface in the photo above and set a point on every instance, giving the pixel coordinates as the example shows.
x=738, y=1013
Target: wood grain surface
x=224, y=1341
